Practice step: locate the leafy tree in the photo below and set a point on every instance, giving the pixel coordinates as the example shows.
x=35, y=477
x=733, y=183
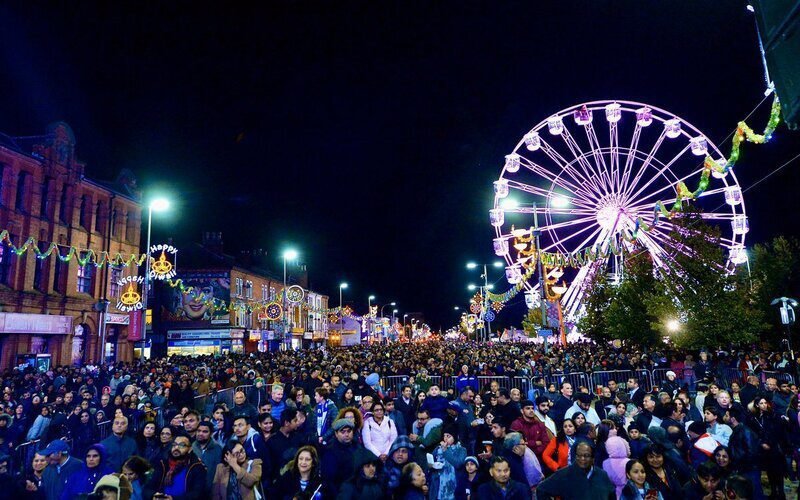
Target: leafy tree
x=630, y=314
x=775, y=268
x=532, y=321
x=594, y=322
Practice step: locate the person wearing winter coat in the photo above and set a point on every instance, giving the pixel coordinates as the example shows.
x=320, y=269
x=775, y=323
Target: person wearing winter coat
x=615, y=465
x=435, y=403
x=325, y=412
x=379, y=432
x=579, y=481
x=556, y=455
x=502, y=487
x=400, y=454
x=85, y=479
x=469, y=479
x=337, y=459
x=257, y=394
x=426, y=434
x=447, y=458
x=531, y=428
x=236, y=474
x=39, y=428
x=367, y=482
x=302, y=475
x=636, y=487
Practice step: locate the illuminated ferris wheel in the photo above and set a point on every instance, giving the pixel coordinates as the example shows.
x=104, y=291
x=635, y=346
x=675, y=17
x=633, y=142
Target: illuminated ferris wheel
x=589, y=172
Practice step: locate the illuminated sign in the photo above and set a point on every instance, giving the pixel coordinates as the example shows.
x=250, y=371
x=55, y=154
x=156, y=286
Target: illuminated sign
x=295, y=294
x=130, y=299
x=162, y=262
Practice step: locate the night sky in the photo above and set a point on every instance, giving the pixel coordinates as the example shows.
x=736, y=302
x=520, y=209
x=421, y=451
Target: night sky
x=367, y=134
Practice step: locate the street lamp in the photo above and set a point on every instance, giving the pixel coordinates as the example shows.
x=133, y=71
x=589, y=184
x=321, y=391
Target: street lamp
x=456, y=308
x=342, y=286
x=389, y=304
x=288, y=254
x=673, y=325
x=471, y=287
x=487, y=328
x=155, y=205
x=369, y=315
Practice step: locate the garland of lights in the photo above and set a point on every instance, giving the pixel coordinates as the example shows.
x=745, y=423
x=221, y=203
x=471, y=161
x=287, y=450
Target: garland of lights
x=590, y=254
x=89, y=256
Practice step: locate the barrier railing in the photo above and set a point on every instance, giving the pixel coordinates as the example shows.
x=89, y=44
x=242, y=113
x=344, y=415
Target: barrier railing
x=22, y=455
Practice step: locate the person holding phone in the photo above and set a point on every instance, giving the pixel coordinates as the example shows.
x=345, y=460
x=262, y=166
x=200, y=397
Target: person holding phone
x=637, y=488
x=182, y=476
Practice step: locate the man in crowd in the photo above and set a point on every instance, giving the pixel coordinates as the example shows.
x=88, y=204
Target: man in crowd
x=181, y=476
x=744, y=449
x=277, y=402
x=583, y=404
x=207, y=450
x=61, y=466
x=337, y=459
x=531, y=428
x=502, y=487
x=542, y=415
x=190, y=422
x=635, y=393
x=119, y=446
x=242, y=407
x=405, y=405
x=562, y=404
x=465, y=379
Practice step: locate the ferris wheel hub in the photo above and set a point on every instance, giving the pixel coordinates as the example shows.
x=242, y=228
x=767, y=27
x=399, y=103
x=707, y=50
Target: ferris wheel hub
x=609, y=210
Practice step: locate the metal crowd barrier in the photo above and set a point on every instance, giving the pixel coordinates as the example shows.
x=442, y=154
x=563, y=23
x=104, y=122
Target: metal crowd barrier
x=22, y=455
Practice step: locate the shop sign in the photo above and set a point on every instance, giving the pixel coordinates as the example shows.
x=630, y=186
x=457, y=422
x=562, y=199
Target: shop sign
x=237, y=334
x=162, y=262
x=35, y=323
x=134, y=326
x=199, y=334
x=130, y=299
x=308, y=335
x=254, y=335
x=118, y=319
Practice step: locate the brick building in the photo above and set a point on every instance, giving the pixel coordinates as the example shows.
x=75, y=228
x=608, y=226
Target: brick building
x=50, y=307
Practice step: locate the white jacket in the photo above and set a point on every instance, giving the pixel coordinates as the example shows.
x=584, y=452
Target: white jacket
x=379, y=438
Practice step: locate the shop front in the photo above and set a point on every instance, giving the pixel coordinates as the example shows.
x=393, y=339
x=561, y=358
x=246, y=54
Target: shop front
x=34, y=339
x=213, y=341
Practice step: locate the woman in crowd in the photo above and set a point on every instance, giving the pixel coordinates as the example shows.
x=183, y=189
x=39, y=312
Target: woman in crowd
x=367, y=482
x=348, y=399
x=637, y=487
x=660, y=475
x=40, y=424
x=165, y=437
x=556, y=454
x=236, y=477
x=136, y=469
x=418, y=400
x=379, y=431
x=769, y=429
x=413, y=484
x=448, y=457
x=85, y=479
x=221, y=424
x=722, y=456
x=302, y=477
x=266, y=426
x=34, y=477
x=149, y=443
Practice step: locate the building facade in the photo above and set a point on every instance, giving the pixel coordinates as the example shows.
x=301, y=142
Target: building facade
x=51, y=308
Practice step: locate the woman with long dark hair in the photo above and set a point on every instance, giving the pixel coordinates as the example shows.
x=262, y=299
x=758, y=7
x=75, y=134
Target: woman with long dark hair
x=148, y=442
x=85, y=434
x=556, y=454
x=660, y=474
x=771, y=436
x=236, y=477
x=302, y=476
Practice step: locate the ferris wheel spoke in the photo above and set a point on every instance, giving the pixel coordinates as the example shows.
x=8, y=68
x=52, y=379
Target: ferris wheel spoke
x=556, y=179
x=580, y=156
x=559, y=225
x=668, y=202
x=576, y=233
x=645, y=163
x=583, y=179
x=554, y=211
x=626, y=172
x=545, y=193
x=613, y=140
x=660, y=173
x=597, y=154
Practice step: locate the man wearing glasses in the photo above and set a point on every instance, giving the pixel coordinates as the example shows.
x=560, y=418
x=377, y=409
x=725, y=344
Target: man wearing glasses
x=181, y=475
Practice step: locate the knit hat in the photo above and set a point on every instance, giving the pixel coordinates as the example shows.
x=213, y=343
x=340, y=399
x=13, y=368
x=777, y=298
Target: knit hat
x=474, y=460
x=342, y=423
x=118, y=482
x=670, y=372
x=452, y=430
x=401, y=442
x=259, y=379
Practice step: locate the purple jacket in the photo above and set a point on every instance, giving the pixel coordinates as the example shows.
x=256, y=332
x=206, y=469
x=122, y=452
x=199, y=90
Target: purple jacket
x=618, y=453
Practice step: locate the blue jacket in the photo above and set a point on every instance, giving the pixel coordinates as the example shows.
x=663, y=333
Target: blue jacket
x=83, y=481
x=464, y=381
x=54, y=479
x=119, y=450
x=437, y=406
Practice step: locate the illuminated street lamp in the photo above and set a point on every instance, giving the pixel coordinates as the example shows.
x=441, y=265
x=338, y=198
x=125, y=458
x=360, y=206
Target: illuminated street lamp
x=155, y=205
x=288, y=254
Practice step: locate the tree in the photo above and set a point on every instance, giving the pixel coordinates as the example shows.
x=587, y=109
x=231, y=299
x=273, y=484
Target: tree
x=630, y=314
x=532, y=322
x=775, y=270
x=594, y=322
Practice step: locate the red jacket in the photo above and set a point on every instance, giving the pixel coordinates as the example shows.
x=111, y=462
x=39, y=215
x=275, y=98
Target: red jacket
x=533, y=431
x=556, y=455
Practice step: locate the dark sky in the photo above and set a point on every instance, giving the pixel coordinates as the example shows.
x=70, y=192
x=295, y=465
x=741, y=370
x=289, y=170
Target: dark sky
x=367, y=134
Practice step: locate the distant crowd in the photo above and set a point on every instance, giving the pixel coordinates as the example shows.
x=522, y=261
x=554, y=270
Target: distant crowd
x=325, y=424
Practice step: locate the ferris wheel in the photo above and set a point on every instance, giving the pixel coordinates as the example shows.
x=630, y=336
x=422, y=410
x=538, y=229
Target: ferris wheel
x=591, y=173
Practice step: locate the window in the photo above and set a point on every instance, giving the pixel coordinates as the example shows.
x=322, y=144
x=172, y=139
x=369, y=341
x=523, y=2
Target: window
x=6, y=261
x=113, y=222
x=84, y=217
x=86, y=277
x=248, y=289
x=239, y=286
x=64, y=214
x=264, y=292
x=22, y=187
x=98, y=218
x=114, y=276
x=60, y=271
x=44, y=207
x=130, y=229
x=40, y=269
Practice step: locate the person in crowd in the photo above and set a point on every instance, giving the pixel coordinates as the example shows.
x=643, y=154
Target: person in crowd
x=615, y=465
x=237, y=476
x=771, y=435
x=401, y=452
x=397, y=417
x=242, y=407
x=33, y=479
x=531, y=428
x=135, y=469
x=583, y=406
x=466, y=379
x=542, y=413
x=325, y=412
x=302, y=476
x=435, y=403
x=379, y=432
x=148, y=443
x=556, y=454
x=277, y=402
x=266, y=426
x=257, y=393
x=337, y=460
x=660, y=474
x=722, y=457
x=637, y=440
x=707, y=484
x=367, y=481
x=181, y=475
x=562, y=403
x=448, y=456
x=426, y=433
x=207, y=450
x=469, y=479
x=61, y=467
x=118, y=445
x=744, y=448
x=637, y=487
x=113, y=487
x=579, y=480
x=635, y=393
x=85, y=479
x=220, y=418
x=84, y=433
x=40, y=424
x=348, y=399
x=413, y=483
x=404, y=403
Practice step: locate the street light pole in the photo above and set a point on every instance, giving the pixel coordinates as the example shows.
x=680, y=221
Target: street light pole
x=158, y=204
x=341, y=311
x=371, y=321
x=542, y=297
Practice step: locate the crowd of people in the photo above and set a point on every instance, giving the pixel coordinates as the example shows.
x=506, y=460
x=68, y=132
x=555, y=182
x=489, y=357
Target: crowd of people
x=320, y=424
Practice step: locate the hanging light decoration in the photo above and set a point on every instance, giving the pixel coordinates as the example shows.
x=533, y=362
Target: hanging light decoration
x=722, y=162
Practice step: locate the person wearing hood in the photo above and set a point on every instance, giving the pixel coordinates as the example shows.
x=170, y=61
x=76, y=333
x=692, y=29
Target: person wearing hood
x=615, y=465
x=670, y=385
x=400, y=454
x=337, y=461
x=581, y=480
x=583, y=404
x=85, y=479
x=367, y=481
x=114, y=486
